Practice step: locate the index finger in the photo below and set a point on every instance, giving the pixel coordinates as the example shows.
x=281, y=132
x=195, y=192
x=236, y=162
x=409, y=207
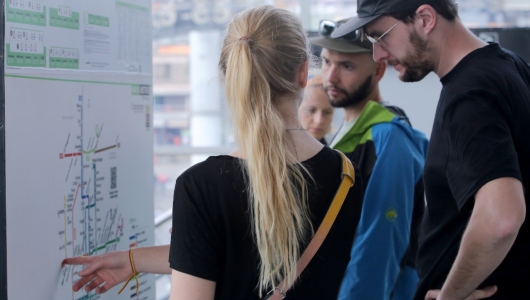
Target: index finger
x=78, y=260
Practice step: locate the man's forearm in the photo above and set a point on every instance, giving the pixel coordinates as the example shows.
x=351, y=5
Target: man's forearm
x=478, y=257
x=498, y=214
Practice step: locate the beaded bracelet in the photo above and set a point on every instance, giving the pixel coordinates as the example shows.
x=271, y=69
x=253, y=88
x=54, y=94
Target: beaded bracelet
x=134, y=275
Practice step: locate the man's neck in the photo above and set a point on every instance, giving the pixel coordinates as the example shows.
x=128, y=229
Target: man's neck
x=456, y=42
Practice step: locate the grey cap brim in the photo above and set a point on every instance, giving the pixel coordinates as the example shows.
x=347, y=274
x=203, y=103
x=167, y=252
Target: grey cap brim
x=339, y=45
x=352, y=25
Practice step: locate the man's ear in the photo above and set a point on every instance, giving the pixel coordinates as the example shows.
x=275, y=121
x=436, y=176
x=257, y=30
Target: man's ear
x=426, y=19
x=380, y=70
x=302, y=74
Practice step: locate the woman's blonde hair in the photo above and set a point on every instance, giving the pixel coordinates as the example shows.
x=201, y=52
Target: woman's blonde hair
x=262, y=54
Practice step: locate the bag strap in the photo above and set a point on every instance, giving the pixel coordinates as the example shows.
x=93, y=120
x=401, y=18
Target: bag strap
x=348, y=180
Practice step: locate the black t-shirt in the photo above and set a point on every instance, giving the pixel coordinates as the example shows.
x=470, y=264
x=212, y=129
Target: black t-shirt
x=481, y=132
x=211, y=236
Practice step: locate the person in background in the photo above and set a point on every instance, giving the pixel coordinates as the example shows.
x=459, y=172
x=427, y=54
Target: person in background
x=241, y=221
x=475, y=234
x=390, y=155
x=315, y=111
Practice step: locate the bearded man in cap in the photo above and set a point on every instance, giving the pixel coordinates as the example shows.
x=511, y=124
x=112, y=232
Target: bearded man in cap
x=475, y=240
x=390, y=156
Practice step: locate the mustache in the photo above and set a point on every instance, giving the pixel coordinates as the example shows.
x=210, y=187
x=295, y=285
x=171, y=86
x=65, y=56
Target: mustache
x=330, y=86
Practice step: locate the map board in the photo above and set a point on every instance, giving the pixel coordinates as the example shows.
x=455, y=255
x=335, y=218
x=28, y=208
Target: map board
x=77, y=142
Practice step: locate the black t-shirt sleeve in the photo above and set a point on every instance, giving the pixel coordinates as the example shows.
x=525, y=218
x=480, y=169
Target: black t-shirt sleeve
x=481, y=147
x=195, y=246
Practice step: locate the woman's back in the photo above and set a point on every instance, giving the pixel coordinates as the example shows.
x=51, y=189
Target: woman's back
x=241, y=222
x=212, y=236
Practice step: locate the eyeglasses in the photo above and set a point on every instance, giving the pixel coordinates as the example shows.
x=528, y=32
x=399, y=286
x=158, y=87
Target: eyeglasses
x=377, y=41
x=326, y=27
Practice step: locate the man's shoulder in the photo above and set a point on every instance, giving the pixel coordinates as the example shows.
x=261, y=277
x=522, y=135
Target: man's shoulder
x=398, y=134
x=394, y=129
x=485, y=70
x=399, y=112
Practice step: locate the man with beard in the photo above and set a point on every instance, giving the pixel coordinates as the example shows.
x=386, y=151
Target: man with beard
x=475, y=240
x=390, y=156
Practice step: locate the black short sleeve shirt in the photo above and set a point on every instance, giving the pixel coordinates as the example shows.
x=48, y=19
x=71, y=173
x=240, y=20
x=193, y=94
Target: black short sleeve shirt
x=481, y=132
x=211, y=235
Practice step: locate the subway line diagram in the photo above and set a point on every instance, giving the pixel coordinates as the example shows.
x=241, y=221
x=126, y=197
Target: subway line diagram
x=93, y=223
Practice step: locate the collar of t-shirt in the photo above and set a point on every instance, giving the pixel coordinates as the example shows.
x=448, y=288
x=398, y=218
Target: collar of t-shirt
x=485, y=51
x=345, y=128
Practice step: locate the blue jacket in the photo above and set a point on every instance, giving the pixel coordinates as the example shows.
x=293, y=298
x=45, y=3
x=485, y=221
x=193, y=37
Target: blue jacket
x=390, y=155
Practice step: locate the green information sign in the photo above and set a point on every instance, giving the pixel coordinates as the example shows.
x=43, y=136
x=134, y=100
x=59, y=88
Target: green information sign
x=57, y=20
x=140, y=89
x=132, y=6
x=98, y=20
x=135, y=89
x=64, y=63
x=21, y=59
x=23, y=16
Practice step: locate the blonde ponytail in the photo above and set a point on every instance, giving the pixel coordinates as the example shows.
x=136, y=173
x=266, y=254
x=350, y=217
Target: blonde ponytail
x=256, y=42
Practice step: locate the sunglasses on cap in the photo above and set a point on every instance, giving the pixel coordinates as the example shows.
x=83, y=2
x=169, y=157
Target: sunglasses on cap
x=326, y=27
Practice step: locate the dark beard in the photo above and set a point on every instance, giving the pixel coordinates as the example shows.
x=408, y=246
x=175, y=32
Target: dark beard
x=415, y=64
x=356, y=97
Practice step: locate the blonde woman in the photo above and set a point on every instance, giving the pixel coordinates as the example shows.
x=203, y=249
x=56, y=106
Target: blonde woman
x=241, y=221
x=315, y=112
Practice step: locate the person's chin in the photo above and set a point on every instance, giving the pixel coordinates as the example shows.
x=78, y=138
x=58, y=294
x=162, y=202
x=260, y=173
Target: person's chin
x=402, y=73
x=317, y=134
x=412, y=76
x=335, y=101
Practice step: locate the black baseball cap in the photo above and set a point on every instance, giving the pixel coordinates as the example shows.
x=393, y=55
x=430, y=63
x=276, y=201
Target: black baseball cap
x=348, y=43
x=342, y=45
x=369, y=10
